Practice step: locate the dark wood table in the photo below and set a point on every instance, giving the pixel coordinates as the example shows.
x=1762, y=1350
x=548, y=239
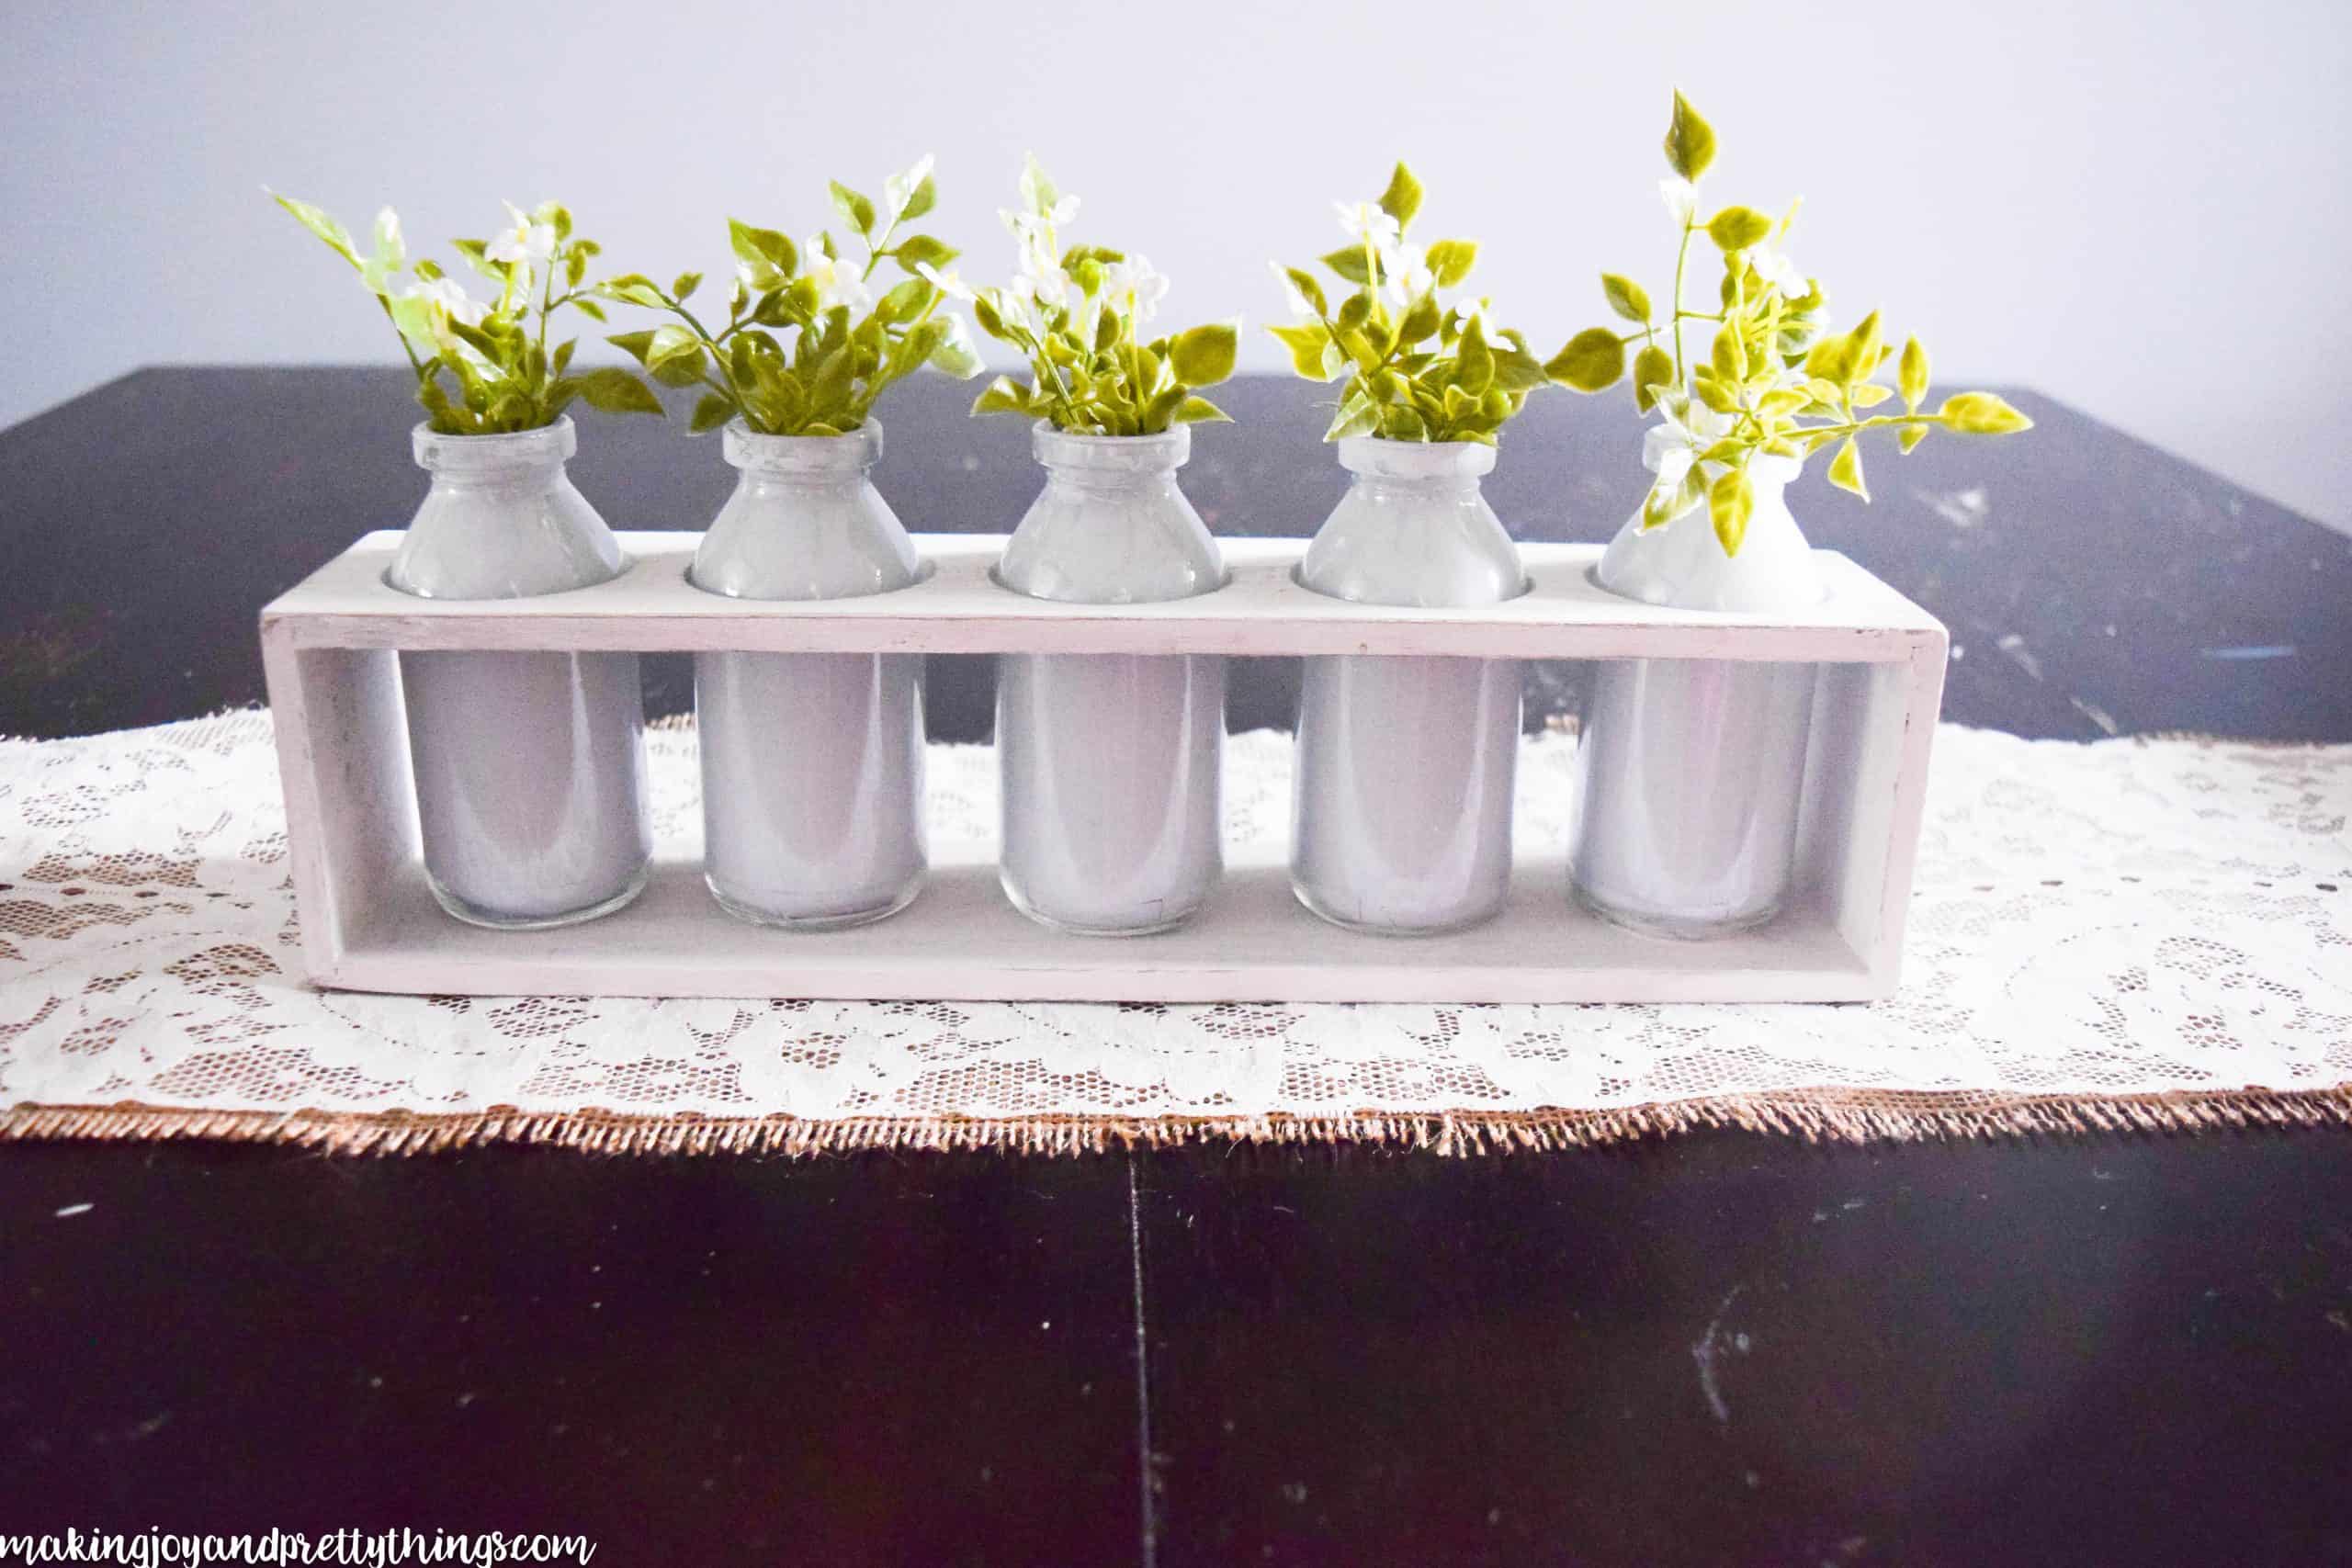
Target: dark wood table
x=2101, y=1349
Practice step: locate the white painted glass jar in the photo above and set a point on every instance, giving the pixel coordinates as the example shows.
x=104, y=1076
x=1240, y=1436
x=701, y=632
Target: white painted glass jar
x=530, y=789
x=1690, y=772
x=1401, y=800
x=1111, y=789
x=811, y=763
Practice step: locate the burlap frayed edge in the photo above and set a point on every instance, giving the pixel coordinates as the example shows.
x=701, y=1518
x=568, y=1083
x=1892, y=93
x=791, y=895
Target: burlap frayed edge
x=1827, y=1116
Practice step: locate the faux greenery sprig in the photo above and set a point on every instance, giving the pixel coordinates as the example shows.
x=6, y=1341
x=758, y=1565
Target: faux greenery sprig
x=1416, y=369
x=1075, y=314
x=839, y=361
x=1772, y=382
x=507, y=378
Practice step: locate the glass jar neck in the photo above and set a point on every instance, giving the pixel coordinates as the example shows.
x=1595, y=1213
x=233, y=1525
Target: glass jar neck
x=1415, y=467
x=1110, y=462
x=519, y=461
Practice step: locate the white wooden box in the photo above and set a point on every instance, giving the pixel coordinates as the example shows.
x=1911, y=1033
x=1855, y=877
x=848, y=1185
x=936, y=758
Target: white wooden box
x=368, y=923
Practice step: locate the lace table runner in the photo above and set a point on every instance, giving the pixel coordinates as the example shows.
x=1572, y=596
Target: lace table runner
x=2149, y=933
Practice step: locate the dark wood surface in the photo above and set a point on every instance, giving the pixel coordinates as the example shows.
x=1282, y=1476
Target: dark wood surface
x=1718, y=1347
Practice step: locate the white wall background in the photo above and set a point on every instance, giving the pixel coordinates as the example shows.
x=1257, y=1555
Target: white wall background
x=2138, y=206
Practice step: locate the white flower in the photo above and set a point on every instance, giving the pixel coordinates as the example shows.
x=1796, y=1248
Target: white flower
x=899, y=189
x=447, y=294
x=1405, y=269
x=948, y=283
x=1134, y=288
x=524, y=241
x=1041, y=260
x=1672, y=446
x=1481, y=312
x=1681, y=198
x=1367, y=223
x=837, y=282
x=1774, y=267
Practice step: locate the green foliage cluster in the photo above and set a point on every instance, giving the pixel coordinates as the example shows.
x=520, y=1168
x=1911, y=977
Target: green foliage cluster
x=847, y=344
x=496, y=354
x=1774, y=380
x=1077, y=316
x=1416, y=369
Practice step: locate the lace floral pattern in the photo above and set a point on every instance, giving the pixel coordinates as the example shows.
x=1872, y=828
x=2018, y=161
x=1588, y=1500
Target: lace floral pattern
x=2112, y=919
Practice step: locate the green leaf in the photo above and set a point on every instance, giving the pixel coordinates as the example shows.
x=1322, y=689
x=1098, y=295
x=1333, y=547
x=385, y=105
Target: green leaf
x=1204, y=356
x=316, y=222
x=903, y=301
x=1731, y=500
x=1653, y=368
x=590, y=308
x=1689, y=141
x=1729, y=355
x=955, y=354
x=687, y=282
x=1864, y=348
x=637, y=345
x=1626, y=298
x=614, y=390
x=1473, y=362
x=923, y=197
x=563, y=352
x=1356, y=415
x=1348, y=263
x=633, y=288
x=1420, y=320
x=921, y=249
x=476, y=252
x=1591, y=362
x=1831, y=360
x=1402, y=199
x=1982, y=413
x=1517, y=371
x=855, y=210
x=1199, y=411
x=1910, y=436
x=769, y=254
x=1737, y=228
x=1305, y=282
x=1306, y=345
x=1846, y=469
x=1911, y=374
x=1402, y=422
x=1004, y=395
x=1451, y=261
x=712, y=411
x=674, y=356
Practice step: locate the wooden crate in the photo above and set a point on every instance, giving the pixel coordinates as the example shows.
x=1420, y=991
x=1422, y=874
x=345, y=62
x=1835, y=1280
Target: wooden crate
x=368, y=923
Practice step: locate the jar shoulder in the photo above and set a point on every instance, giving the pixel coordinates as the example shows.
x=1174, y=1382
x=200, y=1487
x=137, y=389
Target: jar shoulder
x=778, y=538
x=1379, y=546
x=1106, y=544
x=476, y=541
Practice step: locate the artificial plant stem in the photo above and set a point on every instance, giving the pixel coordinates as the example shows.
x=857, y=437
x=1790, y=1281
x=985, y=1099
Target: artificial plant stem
x=1681, y=259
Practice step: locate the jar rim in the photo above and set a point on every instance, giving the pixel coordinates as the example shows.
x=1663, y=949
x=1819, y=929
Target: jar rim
x=1381, y=457
x=1060, y=448
x=747, y=448
x=552, y=442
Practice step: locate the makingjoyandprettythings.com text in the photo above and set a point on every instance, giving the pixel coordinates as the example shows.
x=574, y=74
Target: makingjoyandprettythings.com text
x=371, y=1549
